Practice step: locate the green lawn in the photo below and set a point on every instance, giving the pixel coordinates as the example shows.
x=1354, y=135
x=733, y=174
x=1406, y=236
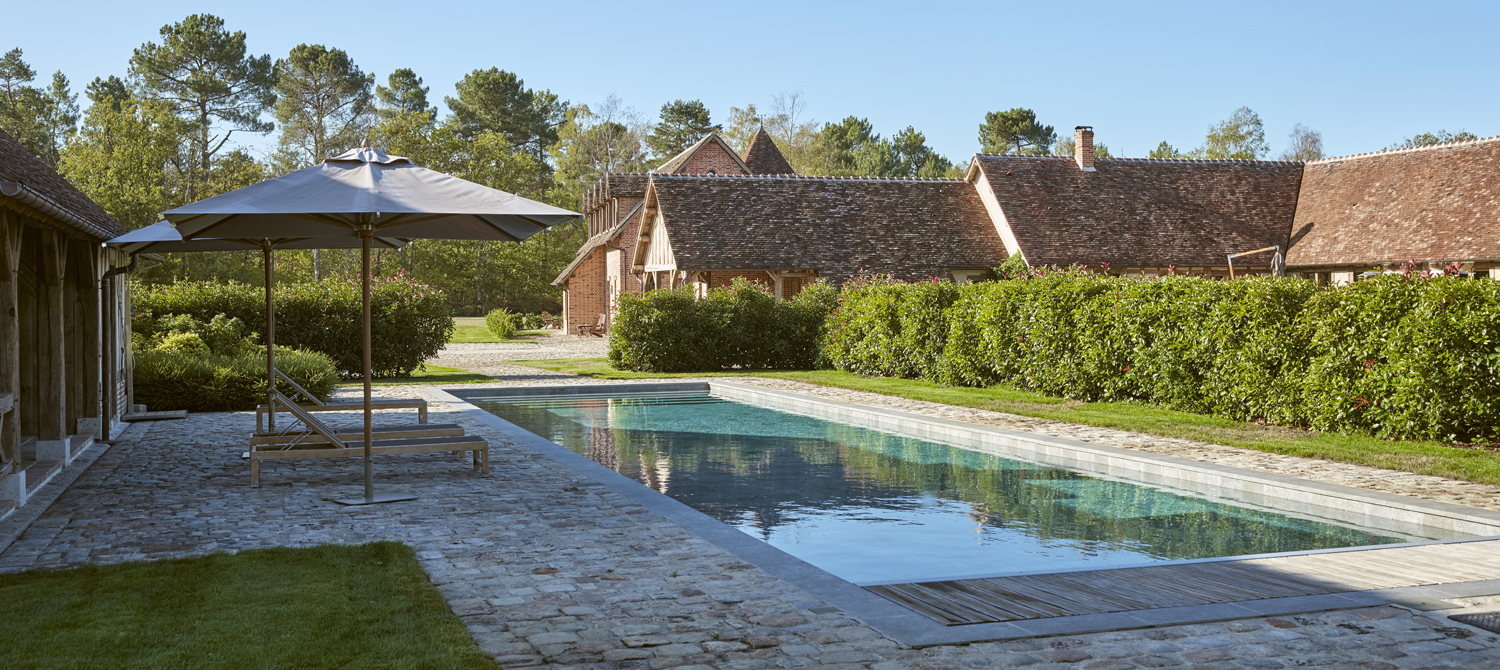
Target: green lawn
x=365, y=606
x=481, y=333
x=1424, y=457
x=433, y=374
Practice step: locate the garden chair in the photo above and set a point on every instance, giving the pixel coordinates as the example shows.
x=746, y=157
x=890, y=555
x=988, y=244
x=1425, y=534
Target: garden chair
x=600, y=327
x=340, y=447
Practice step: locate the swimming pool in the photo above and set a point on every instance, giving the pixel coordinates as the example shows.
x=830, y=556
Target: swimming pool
x=869, y=506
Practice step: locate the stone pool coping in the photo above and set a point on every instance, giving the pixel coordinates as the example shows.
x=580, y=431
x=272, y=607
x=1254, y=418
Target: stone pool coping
x=913, y=629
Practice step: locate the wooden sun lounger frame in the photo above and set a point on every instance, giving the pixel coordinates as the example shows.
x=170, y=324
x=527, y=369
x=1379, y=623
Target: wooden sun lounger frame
x=320, y=406
x=339, y=448
x=406, y=432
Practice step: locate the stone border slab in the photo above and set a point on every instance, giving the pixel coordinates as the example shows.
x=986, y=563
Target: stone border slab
x=902, y=624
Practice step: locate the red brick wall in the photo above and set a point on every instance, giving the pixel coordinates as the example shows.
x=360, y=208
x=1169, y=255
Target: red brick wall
x=585, y=299
x=711, y=157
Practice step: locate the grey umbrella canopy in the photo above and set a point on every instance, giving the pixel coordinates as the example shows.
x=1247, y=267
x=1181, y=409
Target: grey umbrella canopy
x=161, y=238
x=357, y=195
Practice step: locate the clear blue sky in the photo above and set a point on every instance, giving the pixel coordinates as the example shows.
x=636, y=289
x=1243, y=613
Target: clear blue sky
x=1365, y=74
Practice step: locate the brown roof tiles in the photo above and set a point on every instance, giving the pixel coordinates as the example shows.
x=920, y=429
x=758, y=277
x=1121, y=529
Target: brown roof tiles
x=762, y=156
x=1434, y=203
x=1142, y=213
x=49, y=191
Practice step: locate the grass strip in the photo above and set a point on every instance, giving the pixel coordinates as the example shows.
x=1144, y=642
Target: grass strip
x=1422, y=457
x=430, y=374
x=332, y=606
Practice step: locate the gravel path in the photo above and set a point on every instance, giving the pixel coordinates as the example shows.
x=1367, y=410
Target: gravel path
x=489, y=358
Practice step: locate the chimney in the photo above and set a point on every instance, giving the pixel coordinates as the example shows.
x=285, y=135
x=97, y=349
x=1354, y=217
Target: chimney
x=1083, y=147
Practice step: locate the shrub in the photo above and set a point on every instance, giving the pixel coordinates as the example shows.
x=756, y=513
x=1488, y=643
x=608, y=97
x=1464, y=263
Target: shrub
x=205, y=382
x=183, y=343
x=410, y=321
x=530, y=321
x=221, y=335
x=1396, y=356
x=741, y=326
x=502, y=323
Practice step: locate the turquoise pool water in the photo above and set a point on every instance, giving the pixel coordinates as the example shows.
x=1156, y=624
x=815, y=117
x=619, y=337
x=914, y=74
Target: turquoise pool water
x=869, y=506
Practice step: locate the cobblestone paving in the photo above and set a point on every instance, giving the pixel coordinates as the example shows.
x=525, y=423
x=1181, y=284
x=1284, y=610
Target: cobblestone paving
x=545, y=566
x=489, y=358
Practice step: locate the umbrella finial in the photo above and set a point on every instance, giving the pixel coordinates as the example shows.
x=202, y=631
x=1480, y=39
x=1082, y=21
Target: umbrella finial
x=364, y=143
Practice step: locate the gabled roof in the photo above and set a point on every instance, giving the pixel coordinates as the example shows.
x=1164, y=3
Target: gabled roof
x=914, y=229
x=1435, y=203
x=762, y=156
x=677, y=162
x=26, y=182
x=1141, y=212
x=597, y=241
x=626, y=184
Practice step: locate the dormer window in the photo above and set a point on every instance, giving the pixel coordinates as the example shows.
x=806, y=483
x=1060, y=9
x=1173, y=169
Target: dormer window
x=711, y=173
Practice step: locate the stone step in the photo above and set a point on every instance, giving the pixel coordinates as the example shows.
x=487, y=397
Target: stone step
x=38, y=472
x=6, y=507
x=77, y=444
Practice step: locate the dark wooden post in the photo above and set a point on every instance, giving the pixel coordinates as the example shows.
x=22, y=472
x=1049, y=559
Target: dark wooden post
x=51, y=338
x=91, y=336
x=10, y=338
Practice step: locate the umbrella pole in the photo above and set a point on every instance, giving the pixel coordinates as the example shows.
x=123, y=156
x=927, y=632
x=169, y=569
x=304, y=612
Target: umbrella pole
x=365, y=234
x=270, y=261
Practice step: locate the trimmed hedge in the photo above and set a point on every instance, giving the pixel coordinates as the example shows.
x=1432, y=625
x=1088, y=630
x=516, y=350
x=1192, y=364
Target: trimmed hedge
x=410, y=321
x=742, y=326
x=1396, y=356
x=203, y=382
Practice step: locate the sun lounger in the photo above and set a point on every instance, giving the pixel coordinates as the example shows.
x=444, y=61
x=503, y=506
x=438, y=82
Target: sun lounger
x=315, y=405
x=338, y=447
x=300, y=438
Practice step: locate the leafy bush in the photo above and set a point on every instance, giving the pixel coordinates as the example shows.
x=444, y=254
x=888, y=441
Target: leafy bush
x=741, y=326
x=206, y=382
x=183, y=343
x=1396, y=356
x=221, y=335
x=530, y=321
x=501, y=322
x=410, y=321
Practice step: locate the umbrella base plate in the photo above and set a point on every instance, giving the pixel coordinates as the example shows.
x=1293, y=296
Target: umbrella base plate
x=376, y=500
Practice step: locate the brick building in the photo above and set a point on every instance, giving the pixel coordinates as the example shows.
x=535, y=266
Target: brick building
x=708, y=215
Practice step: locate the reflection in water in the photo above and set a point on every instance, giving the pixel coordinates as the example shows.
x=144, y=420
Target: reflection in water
x=869, y=506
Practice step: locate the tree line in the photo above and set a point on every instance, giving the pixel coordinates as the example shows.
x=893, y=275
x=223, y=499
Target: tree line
x=164, y=134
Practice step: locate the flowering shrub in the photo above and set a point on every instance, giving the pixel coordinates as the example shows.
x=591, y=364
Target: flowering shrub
x=1410, y=356
x=742, y=326
x=410, y=322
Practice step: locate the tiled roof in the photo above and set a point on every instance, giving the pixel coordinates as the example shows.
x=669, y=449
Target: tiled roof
x=1143, y=212
x=626, y=184
x=762, y=156
x=1433, y=203
x=676, y=162
x=38, y=187
x=598, y=241
x=913, y=229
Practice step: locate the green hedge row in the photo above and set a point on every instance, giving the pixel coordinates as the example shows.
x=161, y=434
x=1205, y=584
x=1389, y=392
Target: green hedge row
x=199, y=382
x=410, y=321
x=1396, y=356
x=742, y=326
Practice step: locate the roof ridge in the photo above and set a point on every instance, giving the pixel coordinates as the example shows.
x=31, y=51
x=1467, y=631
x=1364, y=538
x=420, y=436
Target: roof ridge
x=1386, y=152
x=794, y=177
x=1148, y=160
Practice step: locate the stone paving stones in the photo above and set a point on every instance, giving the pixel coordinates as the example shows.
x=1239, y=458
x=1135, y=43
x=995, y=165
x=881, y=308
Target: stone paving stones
x=546, y=567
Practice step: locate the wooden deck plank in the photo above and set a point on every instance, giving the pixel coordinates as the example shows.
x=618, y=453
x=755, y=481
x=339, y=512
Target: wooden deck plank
x=962, y=602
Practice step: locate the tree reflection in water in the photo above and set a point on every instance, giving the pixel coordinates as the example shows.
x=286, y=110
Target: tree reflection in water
x=868, y=506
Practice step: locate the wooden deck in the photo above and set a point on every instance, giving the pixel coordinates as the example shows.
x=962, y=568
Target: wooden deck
x=971, y=601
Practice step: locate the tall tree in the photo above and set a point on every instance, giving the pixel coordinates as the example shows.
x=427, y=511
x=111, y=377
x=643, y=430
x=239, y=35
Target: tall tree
x=682, y=123
x=204, y=73
x=1306, y=144
x=795, y=136
x=122, y=158
x=41, y=119
x=840, y=142
x=498, y=101
x=743, y=124
x=1015, y=131
x=1166, y=151
x=109, y=90
x=404, y=93
x=1242, y=136
x=592, y=144
x=1429, y=139
x=918, y=159
x=324, y=103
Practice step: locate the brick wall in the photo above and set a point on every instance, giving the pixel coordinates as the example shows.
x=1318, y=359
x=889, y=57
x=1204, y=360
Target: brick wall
x=711, y=158
x=586, y=297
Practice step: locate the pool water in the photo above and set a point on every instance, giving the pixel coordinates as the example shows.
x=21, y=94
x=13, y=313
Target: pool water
x=869, y=506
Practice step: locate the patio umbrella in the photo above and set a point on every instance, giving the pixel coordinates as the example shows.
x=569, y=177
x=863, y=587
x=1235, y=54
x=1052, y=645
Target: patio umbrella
x=356, y=195
x=161, y=237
